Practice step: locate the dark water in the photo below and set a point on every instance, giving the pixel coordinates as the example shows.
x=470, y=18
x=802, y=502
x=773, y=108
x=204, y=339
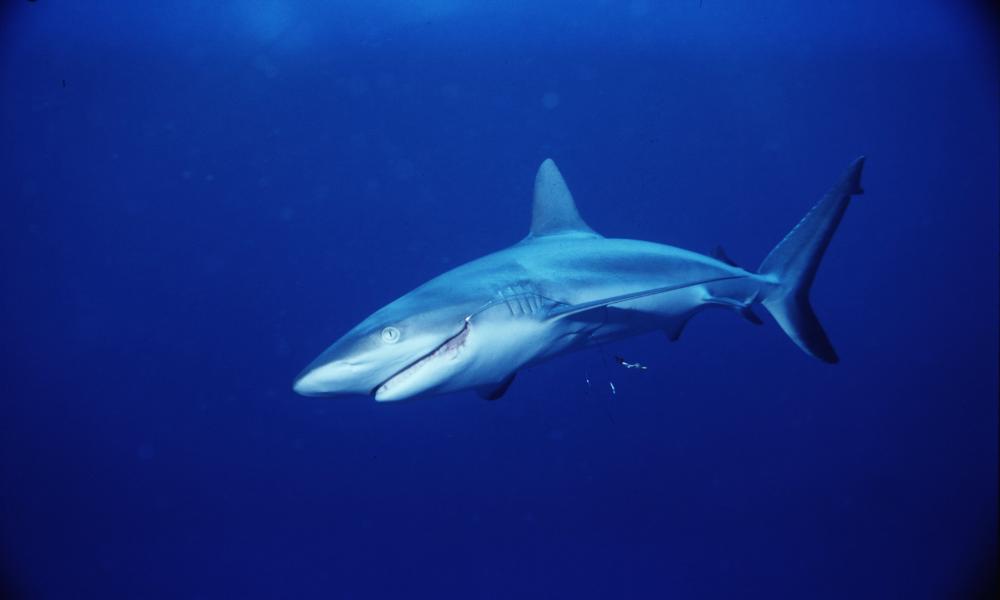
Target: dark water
x=198, y=198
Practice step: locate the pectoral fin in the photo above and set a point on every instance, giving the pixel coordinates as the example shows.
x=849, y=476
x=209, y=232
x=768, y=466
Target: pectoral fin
x=494, y=392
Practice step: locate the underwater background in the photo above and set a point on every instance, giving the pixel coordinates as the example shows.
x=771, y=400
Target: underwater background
x=199, y=197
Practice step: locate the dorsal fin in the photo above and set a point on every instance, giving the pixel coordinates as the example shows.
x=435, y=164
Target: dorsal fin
x=554, y=211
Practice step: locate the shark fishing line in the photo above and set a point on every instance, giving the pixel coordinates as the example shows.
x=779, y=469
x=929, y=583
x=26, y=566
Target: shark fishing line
x=611, y=384
x=619, y=360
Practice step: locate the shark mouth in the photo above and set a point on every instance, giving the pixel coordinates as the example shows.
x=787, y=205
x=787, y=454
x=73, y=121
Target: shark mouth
x=448, y=349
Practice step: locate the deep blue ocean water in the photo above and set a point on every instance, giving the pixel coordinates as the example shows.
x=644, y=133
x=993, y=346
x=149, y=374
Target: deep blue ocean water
x=199, y=197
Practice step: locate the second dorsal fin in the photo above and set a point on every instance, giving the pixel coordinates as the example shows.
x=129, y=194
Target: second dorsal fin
x=554, y=211
x=719, y=254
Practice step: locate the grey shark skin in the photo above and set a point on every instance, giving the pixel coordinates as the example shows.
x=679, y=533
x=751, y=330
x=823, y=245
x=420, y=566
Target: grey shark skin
x=564, y=288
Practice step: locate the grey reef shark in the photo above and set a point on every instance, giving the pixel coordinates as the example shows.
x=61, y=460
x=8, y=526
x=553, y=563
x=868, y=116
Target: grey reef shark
x=564, y=288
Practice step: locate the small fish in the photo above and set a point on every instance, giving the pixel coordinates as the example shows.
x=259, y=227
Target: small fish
x=629, y=365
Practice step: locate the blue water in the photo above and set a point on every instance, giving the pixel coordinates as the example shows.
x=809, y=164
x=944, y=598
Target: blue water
x=199, y=197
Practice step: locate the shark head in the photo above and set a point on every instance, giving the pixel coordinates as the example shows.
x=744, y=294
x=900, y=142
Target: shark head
x=470, y=328
x=411, y=347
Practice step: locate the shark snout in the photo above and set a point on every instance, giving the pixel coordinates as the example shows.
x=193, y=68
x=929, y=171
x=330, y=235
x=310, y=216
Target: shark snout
x=307, y=384
x=330, y=379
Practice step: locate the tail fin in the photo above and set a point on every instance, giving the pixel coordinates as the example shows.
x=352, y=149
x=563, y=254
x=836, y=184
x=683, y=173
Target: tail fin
x=794, y=261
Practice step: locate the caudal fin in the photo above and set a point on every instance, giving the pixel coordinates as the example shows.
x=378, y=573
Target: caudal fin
x=792, y=264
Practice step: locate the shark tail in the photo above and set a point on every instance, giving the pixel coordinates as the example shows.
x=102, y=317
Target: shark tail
x=793, y=263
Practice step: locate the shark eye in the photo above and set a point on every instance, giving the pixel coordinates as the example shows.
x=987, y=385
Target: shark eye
x=390, y=335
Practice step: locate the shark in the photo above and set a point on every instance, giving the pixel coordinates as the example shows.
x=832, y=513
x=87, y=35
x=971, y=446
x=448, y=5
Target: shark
x=564, y=288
